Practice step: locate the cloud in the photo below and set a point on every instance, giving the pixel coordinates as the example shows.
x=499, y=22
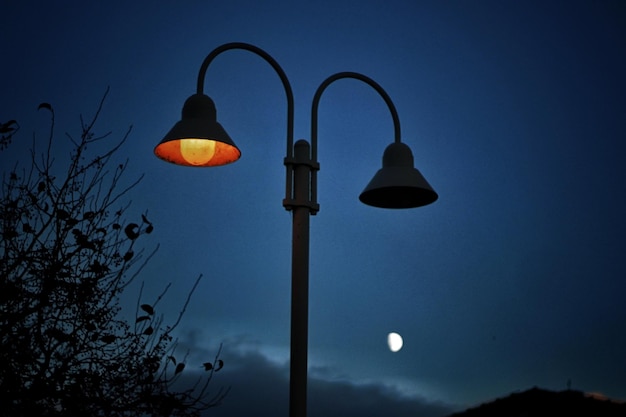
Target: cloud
x=259, y=386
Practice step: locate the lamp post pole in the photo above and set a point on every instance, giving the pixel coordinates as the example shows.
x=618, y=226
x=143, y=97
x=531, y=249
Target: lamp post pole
x=300, y=281
x=199, y=140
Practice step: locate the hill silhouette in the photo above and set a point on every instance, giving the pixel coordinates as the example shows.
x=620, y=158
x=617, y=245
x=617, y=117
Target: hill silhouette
x=540, y=402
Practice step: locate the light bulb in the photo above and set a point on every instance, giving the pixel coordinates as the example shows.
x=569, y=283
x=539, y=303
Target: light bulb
x=197, y=151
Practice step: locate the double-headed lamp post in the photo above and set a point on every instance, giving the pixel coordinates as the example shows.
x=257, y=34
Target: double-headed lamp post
x=198, y=140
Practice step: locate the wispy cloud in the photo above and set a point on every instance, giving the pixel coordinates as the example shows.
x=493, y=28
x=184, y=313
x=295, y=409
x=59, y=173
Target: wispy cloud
x=259, y=386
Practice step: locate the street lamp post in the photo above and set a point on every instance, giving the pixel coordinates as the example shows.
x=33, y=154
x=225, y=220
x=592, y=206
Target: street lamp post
x=198, y=140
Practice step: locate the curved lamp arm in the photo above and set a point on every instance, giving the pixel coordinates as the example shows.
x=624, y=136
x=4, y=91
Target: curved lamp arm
x=288, y=91
x=314, y=110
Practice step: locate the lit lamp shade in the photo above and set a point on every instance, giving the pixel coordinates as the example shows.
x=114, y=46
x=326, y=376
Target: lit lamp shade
x=198, y=140
x=398, y=184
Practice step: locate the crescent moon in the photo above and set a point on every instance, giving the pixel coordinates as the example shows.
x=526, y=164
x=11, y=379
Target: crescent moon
x=394, y=341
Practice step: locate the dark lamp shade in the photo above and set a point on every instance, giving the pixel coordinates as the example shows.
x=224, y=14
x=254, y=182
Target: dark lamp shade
x=198, y=140
x=398, y=184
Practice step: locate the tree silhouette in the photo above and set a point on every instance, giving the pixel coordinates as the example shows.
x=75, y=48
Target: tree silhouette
x=7, y=130
x=66, y=255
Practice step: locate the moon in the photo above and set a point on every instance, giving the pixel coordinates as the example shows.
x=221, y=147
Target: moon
x=394, y=341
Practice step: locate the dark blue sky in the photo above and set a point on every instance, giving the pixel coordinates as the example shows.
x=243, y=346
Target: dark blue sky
x=515, y=112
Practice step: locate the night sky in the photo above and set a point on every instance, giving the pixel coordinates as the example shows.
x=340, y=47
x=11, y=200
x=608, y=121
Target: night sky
x=516, y=115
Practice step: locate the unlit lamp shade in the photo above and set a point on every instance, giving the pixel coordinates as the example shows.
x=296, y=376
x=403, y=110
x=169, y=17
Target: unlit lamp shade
x=398, y=184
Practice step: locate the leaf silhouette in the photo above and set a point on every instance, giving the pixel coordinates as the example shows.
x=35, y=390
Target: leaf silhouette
x=131, y=232
x=71, y=222
x=149, y=330
x=109, y=338
x=220, y=365
x=145, y=219
x=142, y=318
x=149, y=229
x=173, y=359
x=128, y=255
x=116, y=226
x=147, y=308
x=98, y=268
x=207, y=366
x=6, y=127
x=44, y=106
x=57, y=334
x=179, y=368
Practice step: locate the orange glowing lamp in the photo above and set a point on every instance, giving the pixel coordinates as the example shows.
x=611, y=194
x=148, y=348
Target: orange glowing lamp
x=198, y=140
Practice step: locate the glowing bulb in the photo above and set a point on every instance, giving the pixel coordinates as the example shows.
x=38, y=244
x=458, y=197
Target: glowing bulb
x=394, y=340
x=197, y=151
